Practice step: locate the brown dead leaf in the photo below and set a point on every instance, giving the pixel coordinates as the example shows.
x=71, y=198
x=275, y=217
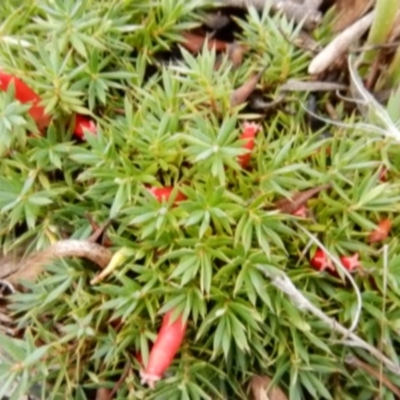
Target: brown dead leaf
x=241, y=94
x=235, y=53
x=349, y=11
x=376, y=373
x=103, y=394
x=195, y=42
x=289, y=206
x=260, y=389
x=99, y=231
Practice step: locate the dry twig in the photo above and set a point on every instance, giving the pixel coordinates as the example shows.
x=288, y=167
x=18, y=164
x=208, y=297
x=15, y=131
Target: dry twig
x=29, y=268
x=357, y=363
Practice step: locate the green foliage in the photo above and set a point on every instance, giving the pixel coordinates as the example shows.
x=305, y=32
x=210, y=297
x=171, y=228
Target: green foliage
x=163, y=124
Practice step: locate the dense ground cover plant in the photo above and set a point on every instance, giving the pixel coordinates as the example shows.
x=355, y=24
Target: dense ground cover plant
x=193, y=208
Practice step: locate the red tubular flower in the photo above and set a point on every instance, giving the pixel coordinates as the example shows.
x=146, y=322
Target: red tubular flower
x=83, y=124
x=250, y=130
x=301, y=212
x=25, y=94
x=321, y=262
x=165, y=347
x=351, y=263
x=381, y=233
x=164, y=193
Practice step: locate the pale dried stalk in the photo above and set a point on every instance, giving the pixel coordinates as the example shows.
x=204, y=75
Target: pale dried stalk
x=339, y=265
x=295, y=85
x=340, y=44
x=369, y=107
x=378, y=119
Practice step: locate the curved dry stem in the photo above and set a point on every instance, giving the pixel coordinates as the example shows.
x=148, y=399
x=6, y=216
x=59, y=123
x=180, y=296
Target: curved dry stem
x=345, y=272
x=30, y=267
x=283, y=283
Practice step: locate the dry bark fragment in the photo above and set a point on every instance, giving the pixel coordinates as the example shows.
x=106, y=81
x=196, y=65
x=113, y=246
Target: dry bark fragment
x=241, y=94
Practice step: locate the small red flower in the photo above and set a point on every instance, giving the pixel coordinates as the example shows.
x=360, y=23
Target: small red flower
x=83, y=124
x=321, y=262
x=381, y=233
x=250, y=130
x=351, y=263
x=164, y=193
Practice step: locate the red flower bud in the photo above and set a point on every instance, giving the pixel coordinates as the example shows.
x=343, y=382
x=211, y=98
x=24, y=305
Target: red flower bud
x=250, y=130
